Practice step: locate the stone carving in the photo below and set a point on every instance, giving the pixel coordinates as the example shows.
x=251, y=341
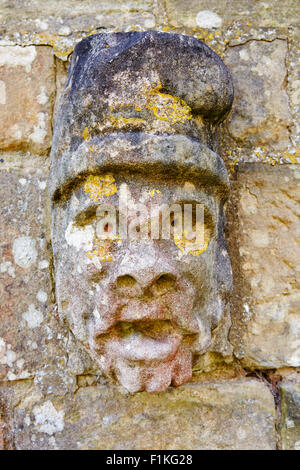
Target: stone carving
x=137, y=127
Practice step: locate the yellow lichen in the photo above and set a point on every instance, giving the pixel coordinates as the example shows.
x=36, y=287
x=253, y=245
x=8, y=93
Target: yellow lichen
x=120, y=122
x=196, y=246
x=100, y=186
x=102, y=247
x=101, y=250
x=154, y=191
x=86, y=134
x=167, y=107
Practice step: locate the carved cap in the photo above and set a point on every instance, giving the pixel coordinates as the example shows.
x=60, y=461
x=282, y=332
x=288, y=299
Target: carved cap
x=139, y=84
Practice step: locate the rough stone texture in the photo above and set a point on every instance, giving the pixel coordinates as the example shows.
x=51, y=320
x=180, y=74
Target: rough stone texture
x=222, y=415
x=32, y=344
x=27, y=87
x=290, y=415
x=64, y=17
x=266, y=257
x=143, y=87
x=216, y=13
x=230, y=28
x=1, y=434
x=260, y=116
x=143, y=310
x=293, y=63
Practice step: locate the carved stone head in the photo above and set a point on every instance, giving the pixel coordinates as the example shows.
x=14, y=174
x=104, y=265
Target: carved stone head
x=137, y=129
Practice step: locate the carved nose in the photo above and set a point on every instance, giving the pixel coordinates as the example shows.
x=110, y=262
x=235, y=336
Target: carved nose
x=128, y=286
x=143, y=268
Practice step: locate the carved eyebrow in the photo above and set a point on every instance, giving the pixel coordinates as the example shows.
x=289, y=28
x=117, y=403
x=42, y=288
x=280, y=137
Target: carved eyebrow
x=88, y=215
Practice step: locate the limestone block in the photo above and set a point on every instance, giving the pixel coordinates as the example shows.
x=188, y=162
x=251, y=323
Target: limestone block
x=260, y=115
x=27, y=87
x=223, y=415
x=1, y=435
x=217, y=13
x=31, y=340
x=293, y=85
x=290, y=415
x=265, y=253
x=65, y=17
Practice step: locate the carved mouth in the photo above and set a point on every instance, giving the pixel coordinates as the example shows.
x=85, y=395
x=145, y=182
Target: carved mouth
x=143, y=340
x=149, y=328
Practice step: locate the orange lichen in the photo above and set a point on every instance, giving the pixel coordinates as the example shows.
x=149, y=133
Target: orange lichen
x=101, y=250
x=167, y=107
x=194, y=246
x=100, y=186
x=102, y=247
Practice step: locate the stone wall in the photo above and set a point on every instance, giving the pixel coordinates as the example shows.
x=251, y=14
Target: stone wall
x=246, y=399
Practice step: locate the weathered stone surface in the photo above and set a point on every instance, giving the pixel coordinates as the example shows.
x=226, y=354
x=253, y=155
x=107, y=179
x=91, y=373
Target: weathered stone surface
x=223, y=415
x=66, y=17
x=132, y=130
x=293, y=86
x=32, y=343
x=217, y=13
x=1, y=433
x=266, y=257
x=27, y=87
x=149, y=82
x=260, y=116
x=290, y=415
x=61, y=77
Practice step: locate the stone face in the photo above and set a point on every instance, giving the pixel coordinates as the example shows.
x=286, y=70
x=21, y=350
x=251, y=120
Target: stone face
x=260, y=116
x=216, y=13
x=223, y=415
x=290, y=415
x=27, y=82
x=135, y=129
x=266, y=257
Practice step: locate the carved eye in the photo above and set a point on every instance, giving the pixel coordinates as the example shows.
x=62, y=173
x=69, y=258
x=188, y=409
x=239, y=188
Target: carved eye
x=86, y=217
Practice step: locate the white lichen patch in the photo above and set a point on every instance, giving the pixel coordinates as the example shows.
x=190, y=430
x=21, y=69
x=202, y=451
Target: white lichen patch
x=42, y=296
x=43, y=25
x=42, y=98
x=7, y=267
x=16, y=132
x=80, y=237
x=2, y=92
x=47, y=419
x=33, y=317
x=208, y=19
x=42, y=185
x=7, y=355
x=44, y=264
x=15, y=56
x=24, y=251
x=39, y=131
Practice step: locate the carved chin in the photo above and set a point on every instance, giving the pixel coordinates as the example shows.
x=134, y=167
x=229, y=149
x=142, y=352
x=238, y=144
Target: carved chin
x=154, y=375
x=144, y=363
